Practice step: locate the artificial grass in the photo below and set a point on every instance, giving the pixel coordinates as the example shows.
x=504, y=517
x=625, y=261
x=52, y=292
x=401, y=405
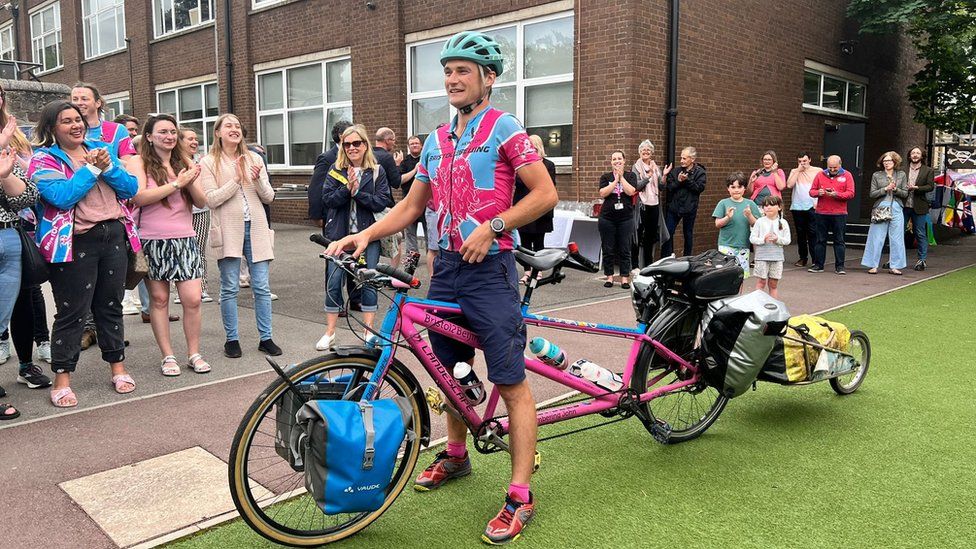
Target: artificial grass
x=889, y=466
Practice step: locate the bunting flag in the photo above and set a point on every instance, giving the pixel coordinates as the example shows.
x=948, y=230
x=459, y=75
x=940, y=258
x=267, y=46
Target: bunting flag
x=964, y=183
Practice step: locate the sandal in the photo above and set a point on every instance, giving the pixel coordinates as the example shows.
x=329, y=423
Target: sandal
x=895, y=272
x=59, y=396
x=120, y=380
x=4, y=408
x=170, y=366
x=198, y=364
x=873, y=271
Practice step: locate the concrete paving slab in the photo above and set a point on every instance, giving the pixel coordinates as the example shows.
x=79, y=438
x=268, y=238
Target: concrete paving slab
x=150, y=498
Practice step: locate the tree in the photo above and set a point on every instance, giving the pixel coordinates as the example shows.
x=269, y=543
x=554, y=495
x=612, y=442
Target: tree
x=944, y=35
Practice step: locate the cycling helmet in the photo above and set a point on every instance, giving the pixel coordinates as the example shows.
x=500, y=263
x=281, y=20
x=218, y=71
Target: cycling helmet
x=474, y=46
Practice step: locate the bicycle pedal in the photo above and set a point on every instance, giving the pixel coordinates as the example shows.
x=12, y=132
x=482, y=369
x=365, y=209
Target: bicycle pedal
x=434, y=400
x=661, y=430
x=537, y=462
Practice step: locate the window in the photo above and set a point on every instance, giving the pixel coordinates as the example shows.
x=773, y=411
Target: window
x=536, y=85
x=297, y=108
x=45, y=27
x=833, y=93
x=7, y=42
x=104, y=26
x=195, y=107
x=116, y=105
x=262, y=3
x=171, y=16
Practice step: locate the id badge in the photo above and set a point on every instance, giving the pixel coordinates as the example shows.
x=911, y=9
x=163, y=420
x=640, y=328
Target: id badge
x=618, y=206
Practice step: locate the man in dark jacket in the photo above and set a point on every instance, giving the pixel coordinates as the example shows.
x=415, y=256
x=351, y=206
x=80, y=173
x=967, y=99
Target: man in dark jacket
x=921, y=180
x=322, y=165
x=383, y=150
x=684, y=186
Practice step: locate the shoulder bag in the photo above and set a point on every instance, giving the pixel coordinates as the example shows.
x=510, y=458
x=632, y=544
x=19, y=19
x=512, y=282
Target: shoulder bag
x=33, y=268
x=882, y=213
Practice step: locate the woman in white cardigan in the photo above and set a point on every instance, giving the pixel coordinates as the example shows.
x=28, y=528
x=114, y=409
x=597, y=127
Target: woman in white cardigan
x=236, y=183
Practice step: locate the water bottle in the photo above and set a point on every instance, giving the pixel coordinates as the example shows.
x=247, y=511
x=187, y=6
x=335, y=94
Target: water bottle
x=465, y=376
x=548, y=353
x=601, y=376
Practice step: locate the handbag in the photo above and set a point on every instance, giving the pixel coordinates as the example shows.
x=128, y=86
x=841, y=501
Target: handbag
x=138, y=266
x=882, y=214
x=33, y=268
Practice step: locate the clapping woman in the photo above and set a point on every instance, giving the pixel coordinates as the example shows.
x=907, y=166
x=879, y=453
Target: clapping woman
x=889, y=188
x=85, y=233
x=616, y=223
x=168, y=189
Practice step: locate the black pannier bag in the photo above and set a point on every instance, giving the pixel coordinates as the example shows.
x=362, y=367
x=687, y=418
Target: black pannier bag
x=734, y=341
x=713, y=275
x=287, y=432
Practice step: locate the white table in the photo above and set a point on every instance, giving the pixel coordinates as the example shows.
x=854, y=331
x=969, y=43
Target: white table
x=569, y=226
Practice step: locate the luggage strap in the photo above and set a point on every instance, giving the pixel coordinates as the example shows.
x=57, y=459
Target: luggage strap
x=366, y=409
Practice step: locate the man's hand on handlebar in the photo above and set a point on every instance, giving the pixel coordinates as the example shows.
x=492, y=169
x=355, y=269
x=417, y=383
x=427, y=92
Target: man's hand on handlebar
x=356, y=242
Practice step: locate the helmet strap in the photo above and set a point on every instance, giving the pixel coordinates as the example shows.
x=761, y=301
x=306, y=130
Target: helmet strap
x=468, y=108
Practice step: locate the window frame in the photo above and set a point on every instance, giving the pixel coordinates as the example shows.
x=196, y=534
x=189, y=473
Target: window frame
x=8, y=28
x=284, y=110
x=176, y=31
x=850, y=81
x=119, y=9
x=205, y=136
x=120, y=98
x=39, y=10
x=519, y=84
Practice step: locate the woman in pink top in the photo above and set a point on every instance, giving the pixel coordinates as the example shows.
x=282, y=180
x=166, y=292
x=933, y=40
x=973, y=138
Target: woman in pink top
x=167, y=191
x=769, y=180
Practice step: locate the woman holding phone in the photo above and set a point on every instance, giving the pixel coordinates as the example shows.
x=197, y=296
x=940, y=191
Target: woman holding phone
x=769, y=180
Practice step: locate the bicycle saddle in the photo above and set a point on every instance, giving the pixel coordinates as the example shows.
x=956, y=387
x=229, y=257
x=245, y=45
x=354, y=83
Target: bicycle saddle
x=543, y=259
x=670, y=267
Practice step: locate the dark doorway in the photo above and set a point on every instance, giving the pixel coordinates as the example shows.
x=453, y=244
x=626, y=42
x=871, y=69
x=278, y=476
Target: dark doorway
x=847, y=141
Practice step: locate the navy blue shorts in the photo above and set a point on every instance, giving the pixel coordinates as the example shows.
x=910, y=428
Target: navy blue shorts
x=488, y=295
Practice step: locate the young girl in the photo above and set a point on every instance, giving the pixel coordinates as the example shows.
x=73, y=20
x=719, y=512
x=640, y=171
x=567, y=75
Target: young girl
x=770, y=233
x=733, y=217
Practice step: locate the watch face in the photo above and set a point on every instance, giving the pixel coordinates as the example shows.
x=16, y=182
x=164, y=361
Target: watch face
x=497, y=225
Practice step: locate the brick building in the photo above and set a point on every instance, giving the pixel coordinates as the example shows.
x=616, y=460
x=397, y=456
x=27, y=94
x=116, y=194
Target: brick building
x=588, y=76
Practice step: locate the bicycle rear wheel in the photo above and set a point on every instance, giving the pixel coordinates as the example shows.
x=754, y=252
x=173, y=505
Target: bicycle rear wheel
x=860, y=347
x=270, y=494
x=688, y=411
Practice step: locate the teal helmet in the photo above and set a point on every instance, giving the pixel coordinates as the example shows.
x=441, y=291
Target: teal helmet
x=477, y=47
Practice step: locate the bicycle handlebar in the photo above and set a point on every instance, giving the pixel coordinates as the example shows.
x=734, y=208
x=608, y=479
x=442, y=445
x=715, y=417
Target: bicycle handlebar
x=349, y=262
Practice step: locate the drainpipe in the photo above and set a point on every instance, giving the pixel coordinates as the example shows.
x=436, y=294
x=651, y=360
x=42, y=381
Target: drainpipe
x=228, y=51
x=670, y=122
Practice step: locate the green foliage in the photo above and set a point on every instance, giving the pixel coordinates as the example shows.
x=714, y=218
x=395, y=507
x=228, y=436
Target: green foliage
x=944, y=35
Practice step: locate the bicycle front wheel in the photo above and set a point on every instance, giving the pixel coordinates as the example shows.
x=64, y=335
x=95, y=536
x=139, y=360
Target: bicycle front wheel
x=269, y=492
x=688, y=411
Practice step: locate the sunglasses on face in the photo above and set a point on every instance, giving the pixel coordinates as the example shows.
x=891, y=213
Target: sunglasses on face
x=352, y=144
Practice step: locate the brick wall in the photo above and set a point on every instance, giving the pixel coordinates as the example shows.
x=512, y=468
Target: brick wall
x=740, y=78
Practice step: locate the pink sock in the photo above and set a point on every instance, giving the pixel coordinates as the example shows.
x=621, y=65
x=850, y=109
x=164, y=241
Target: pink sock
x=519, y=492
x=457, y=449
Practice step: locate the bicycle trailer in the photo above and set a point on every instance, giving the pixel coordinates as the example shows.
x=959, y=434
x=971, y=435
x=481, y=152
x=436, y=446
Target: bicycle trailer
x=806, y=351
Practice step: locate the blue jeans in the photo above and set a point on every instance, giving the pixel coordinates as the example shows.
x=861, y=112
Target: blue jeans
x=230, y=285
x=9, y=273
x=894, y=231
x=143, y=296
x=920, y=224
x=837, y=225
x=335, y=280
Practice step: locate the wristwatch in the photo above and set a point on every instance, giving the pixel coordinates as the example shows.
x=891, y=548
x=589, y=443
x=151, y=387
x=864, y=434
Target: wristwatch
x=497, y=224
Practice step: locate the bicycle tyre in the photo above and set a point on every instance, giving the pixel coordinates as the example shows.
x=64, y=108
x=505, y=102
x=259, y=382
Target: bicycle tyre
x=263, y=515
x=691, y=411
x=848, y=383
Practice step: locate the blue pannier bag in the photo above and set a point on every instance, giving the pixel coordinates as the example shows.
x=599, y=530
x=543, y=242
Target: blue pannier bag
x=350, y=449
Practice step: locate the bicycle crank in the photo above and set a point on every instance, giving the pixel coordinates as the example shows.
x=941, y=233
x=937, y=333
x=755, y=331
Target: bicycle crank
x=436, y=403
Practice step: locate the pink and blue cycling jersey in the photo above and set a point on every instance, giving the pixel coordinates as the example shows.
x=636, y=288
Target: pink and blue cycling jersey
x=472, y=176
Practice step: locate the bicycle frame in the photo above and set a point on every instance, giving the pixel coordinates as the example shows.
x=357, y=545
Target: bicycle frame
x=407, y=313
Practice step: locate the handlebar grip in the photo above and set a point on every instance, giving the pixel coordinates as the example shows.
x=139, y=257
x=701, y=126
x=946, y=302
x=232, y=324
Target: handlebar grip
x=397, y=274
x=575, y=254
x=320, y=240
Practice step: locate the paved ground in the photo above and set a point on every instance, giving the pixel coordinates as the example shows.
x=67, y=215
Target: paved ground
x=47, y=454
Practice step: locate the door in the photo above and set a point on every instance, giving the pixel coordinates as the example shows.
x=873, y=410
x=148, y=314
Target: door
x=847, y=142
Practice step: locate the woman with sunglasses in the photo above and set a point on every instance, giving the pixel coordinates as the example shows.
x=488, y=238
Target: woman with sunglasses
x=167, y=190
x=236, y=184
x=85, y=233
x=355, y=189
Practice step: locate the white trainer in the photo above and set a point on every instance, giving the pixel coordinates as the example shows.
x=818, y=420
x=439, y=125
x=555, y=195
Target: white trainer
x=325, y=343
